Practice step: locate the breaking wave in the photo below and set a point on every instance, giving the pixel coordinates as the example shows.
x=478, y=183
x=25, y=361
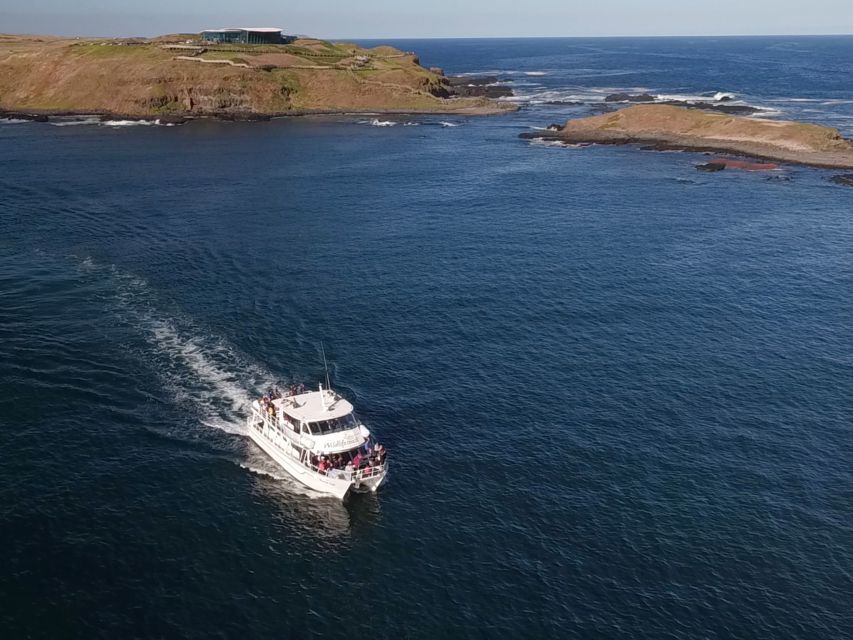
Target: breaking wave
x=376, y=122
x=129, y=123
x=75, y=122
x=96, y=121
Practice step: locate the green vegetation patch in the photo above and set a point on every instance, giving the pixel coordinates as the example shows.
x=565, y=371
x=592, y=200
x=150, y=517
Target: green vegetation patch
x=108, y=49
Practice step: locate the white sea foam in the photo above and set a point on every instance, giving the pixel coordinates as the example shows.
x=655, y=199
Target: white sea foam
x=75, y=122
x=794, y=100
x=536, y=73
x=376, y=122
x=541, y=142
x=411, y=124
x=129, y=123
x=681, y=97
x=13, y=121
x=722, y=95
x=449, y=124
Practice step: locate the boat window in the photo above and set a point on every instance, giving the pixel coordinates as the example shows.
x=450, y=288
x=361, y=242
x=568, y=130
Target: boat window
x=323, y=427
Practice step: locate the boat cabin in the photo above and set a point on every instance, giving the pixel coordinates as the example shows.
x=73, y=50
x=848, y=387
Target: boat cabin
x=324, y=420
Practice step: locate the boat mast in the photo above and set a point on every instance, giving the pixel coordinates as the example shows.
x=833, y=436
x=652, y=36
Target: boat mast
x=325, y=366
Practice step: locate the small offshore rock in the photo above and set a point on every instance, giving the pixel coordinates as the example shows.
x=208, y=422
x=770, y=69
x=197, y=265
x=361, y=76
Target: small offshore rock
x=14, y=115
x=627, y=97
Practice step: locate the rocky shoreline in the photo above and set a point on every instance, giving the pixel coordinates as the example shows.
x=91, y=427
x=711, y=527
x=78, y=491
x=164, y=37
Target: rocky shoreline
x=46, y=116
x=723, y=103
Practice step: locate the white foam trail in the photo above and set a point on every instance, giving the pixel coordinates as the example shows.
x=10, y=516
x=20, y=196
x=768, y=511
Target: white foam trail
x=411, y=124
x=221, y=383
x=206, y=375
x=449, y=124
x=535, y=73
x=13, y=121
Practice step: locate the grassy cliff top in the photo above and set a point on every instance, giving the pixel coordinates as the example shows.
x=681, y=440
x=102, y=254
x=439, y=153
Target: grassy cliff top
x=171, y=76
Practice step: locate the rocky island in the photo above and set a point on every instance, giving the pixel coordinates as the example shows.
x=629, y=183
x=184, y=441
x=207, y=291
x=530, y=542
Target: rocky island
x=179, y=77
x=668, y=127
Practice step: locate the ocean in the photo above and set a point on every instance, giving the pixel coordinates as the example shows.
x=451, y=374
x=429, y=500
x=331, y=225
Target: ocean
x=616, y=392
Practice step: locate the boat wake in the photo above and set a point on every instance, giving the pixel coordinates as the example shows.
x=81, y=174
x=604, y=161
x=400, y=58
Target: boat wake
x=204, y=375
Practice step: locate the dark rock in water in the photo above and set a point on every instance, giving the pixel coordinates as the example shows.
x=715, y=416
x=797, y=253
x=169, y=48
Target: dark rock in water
x=172, y=120
x=242, y=116
x=13, y=115
x=539, y=135
x=748, y=166
x=627, y=97
x=555, y=127
x=477, y=87
x=718, y=164
x=845, y=179
x=711, y=166
x=570, y=103
x=732, y=109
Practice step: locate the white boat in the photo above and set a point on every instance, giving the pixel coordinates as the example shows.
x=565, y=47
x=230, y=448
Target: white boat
x=317, y=439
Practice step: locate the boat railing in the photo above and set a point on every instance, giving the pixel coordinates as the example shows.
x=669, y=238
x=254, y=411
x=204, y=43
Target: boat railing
x=355, y=474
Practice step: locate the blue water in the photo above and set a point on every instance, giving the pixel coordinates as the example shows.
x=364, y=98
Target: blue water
x=617, y=393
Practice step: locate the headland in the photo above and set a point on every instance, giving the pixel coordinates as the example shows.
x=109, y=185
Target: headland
x=180, y=77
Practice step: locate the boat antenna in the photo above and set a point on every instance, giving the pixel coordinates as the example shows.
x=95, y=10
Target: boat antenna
x=325, y=365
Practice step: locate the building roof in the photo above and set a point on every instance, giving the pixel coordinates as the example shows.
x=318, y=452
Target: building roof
x=255, y=29
x=309, y=406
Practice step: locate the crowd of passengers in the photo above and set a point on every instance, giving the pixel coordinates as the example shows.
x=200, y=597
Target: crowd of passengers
x=367, y=458
x=274, y=393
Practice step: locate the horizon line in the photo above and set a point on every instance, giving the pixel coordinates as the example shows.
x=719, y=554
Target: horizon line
x=513, y=37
